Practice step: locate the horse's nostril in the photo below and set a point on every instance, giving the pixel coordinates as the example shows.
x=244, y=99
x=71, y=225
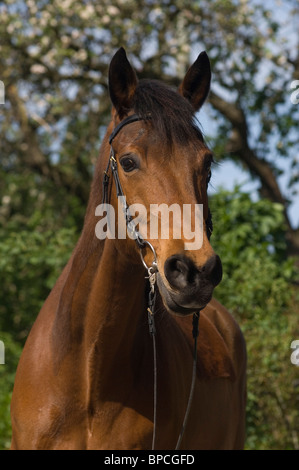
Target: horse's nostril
x=213, y=269
x=181, y=272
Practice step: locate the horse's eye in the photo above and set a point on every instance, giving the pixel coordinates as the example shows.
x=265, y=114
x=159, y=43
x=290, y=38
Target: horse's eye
x=128, y=164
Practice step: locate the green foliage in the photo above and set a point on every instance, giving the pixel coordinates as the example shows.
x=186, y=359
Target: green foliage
x=257, y=288
x=30, y=263
x=39, y=228
x=251, y=240
x=13, y=351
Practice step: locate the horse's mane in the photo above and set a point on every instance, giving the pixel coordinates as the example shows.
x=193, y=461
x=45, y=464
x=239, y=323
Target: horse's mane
x=172, y=116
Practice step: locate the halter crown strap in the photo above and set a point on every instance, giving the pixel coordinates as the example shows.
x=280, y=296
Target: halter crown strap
x=123, y=123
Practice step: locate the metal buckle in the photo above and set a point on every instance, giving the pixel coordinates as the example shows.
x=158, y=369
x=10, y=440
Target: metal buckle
x=154, y=266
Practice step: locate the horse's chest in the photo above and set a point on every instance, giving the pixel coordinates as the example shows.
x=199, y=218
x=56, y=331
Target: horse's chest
x=116, y=427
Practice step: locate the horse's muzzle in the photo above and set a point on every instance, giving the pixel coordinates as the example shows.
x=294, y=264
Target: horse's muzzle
x=190, y=288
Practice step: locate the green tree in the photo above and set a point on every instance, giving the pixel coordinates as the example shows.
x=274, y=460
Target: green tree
x=258, y=287
x=54, y=60
x=7, y=375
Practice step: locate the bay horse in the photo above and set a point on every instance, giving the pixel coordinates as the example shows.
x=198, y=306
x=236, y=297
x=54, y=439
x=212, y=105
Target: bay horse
x=85, y=379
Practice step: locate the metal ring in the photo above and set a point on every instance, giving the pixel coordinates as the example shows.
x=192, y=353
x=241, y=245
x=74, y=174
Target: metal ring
x=154, y=265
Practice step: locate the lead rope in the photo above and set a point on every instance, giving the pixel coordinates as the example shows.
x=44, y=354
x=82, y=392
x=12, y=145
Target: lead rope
x=195, y=335
x=152, y=330
x=152, y=297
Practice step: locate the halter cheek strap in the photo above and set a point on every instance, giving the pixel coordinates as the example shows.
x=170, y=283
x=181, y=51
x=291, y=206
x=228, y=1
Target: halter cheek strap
x=112, y=160
x=128, y=120
x=131, y=227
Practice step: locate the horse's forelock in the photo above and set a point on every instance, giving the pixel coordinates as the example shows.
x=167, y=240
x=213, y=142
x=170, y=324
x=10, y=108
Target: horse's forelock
x=172, y=116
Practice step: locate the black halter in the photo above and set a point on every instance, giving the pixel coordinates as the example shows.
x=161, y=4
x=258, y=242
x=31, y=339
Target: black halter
x=123, y=123
x=131, y=227
x=114, y=133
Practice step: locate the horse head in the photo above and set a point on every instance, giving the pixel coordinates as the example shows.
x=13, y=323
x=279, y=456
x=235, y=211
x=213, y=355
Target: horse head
x=165, y=165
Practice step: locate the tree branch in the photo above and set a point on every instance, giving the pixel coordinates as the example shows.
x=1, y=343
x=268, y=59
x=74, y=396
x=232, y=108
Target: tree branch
x=35, y=159
x=238, y=146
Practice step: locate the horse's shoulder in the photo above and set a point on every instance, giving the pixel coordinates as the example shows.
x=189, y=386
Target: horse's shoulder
x=225, y=335
x=227, y=326
x=220, y=343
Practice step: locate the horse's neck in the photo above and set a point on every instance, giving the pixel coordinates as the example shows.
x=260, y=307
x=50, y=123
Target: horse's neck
x=115, y=312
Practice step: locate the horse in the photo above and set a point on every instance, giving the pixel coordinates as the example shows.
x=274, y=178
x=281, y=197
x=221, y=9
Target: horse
x=87, y=377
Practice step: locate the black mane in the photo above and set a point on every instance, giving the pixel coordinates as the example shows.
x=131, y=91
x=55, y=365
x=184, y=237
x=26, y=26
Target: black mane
x=172, y=116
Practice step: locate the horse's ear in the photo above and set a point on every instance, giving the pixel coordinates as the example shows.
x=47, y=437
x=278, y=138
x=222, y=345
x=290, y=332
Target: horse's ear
x=122, y=83
x=196, y=84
